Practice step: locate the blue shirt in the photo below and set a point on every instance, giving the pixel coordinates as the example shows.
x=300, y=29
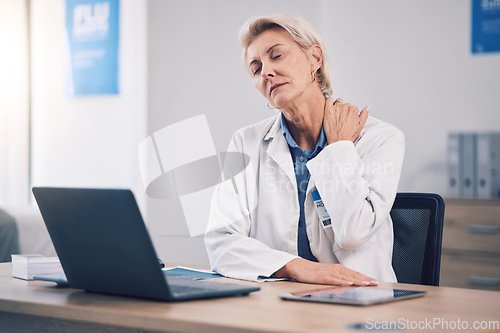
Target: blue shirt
x=302, y=175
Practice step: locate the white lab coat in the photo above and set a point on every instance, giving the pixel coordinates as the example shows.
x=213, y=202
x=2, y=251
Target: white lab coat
x=256, y=234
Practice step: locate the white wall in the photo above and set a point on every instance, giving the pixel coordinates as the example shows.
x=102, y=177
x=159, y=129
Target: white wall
x=14, y=106
x=87, y=141
x=195, y=68
x=409, y=60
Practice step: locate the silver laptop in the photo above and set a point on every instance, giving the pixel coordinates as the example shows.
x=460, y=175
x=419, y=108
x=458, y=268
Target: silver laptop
x=104, y=247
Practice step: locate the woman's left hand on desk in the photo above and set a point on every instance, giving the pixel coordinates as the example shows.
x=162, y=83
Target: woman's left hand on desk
x=312, y=272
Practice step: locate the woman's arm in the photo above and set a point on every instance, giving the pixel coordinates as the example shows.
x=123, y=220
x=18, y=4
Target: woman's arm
x=231, y=250
x=358, y=184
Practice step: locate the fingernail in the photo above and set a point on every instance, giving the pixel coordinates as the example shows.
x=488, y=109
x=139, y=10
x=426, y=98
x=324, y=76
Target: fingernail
x=374, y=282
x=349, y=283
x=365, y=283
x=368, y=108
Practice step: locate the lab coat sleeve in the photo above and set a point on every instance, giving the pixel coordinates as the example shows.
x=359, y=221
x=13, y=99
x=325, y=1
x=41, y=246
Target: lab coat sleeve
x=358, y=183
x=231, y=250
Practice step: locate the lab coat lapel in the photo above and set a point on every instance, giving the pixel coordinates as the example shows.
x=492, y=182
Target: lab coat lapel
x=278, y=150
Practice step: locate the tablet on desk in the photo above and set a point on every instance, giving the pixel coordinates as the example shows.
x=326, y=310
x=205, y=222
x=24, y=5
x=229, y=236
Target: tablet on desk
x=353, y=295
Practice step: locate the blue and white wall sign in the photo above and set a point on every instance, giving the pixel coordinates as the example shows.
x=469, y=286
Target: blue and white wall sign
x=92, y=29
x=485, y=26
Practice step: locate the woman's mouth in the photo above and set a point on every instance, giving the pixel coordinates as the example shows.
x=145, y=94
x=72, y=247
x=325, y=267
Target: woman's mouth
x=274, y=86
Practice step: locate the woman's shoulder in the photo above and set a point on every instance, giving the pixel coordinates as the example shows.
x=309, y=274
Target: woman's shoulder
x=257, y=131
x=377, y=127
x=378, y=133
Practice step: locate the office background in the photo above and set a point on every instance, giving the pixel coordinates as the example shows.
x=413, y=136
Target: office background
x=409, y=60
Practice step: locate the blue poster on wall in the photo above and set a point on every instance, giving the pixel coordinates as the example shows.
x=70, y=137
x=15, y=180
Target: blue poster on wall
x=485, y=26
x=92, y=28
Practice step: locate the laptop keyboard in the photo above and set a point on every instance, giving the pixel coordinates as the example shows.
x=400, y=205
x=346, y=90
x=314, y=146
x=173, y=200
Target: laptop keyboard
x=176, y=289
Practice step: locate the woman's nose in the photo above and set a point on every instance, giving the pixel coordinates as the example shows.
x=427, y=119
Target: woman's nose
x=266, y=72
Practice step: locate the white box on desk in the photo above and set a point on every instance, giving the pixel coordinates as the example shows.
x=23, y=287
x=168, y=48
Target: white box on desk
x=24, y=266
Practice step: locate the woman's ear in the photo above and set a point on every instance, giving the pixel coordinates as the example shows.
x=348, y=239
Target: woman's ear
x=316, y=56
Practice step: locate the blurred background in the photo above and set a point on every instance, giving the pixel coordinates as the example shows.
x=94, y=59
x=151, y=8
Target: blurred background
x=411, y=61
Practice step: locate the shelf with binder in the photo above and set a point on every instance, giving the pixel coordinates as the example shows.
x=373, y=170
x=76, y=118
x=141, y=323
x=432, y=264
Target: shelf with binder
x=474, y=165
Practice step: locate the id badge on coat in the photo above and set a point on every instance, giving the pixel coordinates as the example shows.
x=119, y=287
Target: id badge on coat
x=323, y=215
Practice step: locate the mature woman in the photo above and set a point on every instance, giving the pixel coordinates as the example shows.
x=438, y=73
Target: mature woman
x=315, y=200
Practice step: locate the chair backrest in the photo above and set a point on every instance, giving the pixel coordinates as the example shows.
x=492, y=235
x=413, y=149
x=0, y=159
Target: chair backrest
x=418, y=231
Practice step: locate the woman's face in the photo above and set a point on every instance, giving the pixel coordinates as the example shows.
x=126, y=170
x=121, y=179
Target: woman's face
x=281, y=70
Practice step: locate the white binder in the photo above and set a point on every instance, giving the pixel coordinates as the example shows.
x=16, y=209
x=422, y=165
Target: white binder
x=484, y=164
x=454, y=165
x=468, y=163
x=495, y=164
x=488, y=165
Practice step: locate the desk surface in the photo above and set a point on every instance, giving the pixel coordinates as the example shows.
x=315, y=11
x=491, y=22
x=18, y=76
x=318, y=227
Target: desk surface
x=261, y=311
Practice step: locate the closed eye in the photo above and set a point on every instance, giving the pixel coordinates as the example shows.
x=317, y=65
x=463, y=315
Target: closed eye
x=256, y=71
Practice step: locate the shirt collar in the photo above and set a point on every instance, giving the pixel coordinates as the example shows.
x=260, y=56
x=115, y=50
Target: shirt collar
x=286, y=133
x=291, y=142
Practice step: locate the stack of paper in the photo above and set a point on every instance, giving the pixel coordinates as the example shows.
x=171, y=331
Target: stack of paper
x=24, y=266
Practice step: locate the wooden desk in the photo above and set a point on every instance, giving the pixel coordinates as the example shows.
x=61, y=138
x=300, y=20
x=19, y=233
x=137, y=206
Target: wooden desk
x=31, y=305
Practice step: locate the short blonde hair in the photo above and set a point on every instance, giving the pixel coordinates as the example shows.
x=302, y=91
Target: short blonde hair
x=300, y=29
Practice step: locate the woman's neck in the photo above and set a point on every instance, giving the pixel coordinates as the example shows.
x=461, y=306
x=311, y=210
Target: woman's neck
x=305, y=119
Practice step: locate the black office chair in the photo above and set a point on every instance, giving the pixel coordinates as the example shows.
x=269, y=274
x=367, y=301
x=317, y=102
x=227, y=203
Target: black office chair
x=418, y=231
